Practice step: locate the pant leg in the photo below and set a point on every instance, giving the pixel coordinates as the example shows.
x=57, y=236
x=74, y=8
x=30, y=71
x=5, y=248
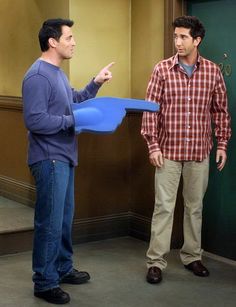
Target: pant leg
x=195, y=181
x=166, y=186
x=65, y=263
x=51, y=178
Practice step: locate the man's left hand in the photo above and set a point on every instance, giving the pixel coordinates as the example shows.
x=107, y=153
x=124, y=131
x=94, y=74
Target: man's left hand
x=104, y=74
x=221, y=158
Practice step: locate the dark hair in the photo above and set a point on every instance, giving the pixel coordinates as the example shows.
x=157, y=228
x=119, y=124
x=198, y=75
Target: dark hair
x=51, y=28
x=190, y=22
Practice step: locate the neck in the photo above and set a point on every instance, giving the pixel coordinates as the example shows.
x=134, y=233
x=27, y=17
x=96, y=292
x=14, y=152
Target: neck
x=51, y=59
x=189, y=59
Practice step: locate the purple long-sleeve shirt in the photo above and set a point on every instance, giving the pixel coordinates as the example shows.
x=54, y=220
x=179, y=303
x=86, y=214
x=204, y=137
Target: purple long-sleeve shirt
x=47, y=98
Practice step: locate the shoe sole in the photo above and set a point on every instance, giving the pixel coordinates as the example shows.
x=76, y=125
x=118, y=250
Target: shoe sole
x=52, y=301
x=153, y=281
x=186, y=267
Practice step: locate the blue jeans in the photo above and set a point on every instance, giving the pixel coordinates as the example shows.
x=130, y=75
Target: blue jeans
x=54, y=210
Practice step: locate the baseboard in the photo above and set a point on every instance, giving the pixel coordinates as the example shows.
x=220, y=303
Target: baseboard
x=110, y=226
x=100, y=228
x=140, y=226
x=219, y=258
x=19, y=191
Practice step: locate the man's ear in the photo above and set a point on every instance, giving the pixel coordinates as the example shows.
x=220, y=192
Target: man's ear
x=52, y=42
x=197, y=41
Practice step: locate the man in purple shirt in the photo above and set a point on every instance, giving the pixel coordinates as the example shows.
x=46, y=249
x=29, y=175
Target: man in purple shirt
x=52, y=156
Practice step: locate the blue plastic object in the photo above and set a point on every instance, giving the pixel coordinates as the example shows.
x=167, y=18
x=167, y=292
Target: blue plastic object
x=105, y=114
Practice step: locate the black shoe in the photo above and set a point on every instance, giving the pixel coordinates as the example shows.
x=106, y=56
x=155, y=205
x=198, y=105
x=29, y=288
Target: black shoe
x=75, y=278
x=197, y=268
x=154, y=275
x=54, y=296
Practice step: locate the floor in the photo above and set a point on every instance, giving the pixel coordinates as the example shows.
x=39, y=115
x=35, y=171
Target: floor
x=117, y=268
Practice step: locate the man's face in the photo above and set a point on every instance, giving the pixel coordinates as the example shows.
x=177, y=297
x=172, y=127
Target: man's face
x=66, y=44
x=185, y=44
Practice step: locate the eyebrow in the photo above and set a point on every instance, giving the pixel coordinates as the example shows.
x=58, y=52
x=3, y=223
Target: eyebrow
x=69, y=36
x=182, y=35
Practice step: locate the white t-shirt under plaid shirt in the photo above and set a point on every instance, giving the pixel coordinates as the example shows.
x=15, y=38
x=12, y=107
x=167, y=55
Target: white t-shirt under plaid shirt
x=182, y=129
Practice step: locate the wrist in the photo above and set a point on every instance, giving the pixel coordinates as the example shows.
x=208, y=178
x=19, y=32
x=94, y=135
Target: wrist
x=96, y=81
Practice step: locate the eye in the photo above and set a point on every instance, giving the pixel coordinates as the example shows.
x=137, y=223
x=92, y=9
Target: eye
x=69, y=38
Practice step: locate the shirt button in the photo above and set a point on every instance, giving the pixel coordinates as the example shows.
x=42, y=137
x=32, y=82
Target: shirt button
x=189, y=98
x=189, y=127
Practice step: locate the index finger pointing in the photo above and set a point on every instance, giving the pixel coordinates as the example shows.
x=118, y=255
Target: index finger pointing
x=109, y=65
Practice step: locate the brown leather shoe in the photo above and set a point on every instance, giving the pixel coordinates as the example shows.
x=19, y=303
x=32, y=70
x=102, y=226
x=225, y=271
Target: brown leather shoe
x=154, y=275
x=198, y=268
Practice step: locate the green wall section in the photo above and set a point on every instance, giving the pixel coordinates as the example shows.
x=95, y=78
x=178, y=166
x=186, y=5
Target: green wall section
x=219, y=223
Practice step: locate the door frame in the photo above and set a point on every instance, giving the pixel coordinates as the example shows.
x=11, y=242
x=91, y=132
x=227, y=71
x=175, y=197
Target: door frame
x=172, y=9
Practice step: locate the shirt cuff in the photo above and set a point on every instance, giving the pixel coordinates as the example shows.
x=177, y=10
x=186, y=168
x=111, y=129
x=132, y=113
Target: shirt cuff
x=95, y=85
x=70, y=122
x=152, y=147
x=222, y=145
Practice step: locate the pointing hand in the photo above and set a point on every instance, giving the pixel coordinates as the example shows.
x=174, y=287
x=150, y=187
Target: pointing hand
x=104, y=74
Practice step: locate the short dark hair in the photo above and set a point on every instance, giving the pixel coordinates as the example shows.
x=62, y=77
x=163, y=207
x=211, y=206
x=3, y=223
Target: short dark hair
x=190, y=22
x=51, y=28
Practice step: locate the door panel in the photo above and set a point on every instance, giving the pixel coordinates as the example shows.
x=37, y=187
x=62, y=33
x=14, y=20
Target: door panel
x=219, y=45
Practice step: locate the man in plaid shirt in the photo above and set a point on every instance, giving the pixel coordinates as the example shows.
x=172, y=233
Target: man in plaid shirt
x=191, y=93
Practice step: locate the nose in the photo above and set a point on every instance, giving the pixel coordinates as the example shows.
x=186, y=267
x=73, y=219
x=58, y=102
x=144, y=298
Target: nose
x=178, y=41
x=73, y=42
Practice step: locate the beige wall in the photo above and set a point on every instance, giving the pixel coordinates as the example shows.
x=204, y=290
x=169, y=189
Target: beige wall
x=20, y=21
x=102, y=33
x=147, y=42
x=129, y=32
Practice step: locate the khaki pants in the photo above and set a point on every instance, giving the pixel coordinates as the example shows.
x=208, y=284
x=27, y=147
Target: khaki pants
x=195, y=180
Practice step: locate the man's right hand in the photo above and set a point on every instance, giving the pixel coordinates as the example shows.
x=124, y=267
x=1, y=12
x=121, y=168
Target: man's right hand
x=156, y=159
x=104, y=74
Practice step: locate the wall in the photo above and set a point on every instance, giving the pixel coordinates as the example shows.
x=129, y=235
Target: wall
x=102, y=32
x=19, y=45
x=147, y=42
x=147, y=39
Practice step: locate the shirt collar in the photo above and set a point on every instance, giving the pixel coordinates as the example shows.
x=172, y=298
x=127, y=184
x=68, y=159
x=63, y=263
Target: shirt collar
x=175, y=60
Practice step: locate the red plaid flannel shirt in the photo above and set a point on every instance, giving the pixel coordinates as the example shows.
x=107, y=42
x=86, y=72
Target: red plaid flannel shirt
x=182, y=129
